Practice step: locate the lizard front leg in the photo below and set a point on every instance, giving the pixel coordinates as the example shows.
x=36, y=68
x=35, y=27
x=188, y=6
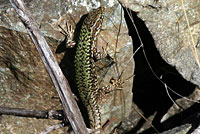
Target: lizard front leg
x=69, y=35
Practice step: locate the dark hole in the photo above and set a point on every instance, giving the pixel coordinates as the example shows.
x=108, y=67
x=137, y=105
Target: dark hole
x=149, y=94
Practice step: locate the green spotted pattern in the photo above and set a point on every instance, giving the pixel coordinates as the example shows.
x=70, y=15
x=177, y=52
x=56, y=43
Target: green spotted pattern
x=85, y=73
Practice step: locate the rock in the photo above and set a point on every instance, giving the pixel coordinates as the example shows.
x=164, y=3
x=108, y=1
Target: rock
x=24, y=82
x=169, y=30
x=167, y=23
x=179, y=130
x=24, y=77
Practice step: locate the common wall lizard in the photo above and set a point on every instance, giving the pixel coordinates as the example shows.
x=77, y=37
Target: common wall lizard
x=85, y=73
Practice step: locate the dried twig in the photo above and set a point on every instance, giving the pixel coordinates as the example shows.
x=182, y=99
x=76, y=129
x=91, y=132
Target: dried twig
x=40, y=114
x=69, y=105
x=194, y=49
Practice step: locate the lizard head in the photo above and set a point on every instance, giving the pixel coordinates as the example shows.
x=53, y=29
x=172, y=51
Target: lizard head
x=94, y=19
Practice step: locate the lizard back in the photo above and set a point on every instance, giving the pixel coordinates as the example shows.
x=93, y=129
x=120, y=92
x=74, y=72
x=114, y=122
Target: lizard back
x=85, y=74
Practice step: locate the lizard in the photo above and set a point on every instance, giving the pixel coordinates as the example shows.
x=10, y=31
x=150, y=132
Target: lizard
x=85, y=73
x=85, y=69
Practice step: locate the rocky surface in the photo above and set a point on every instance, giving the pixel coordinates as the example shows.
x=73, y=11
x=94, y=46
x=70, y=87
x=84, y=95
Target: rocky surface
x=167, y=23
x=25, y=83
x=179, y=130
x=24, y=80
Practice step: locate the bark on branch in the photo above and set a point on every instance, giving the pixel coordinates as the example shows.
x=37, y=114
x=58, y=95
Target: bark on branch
x=61, y=84
x=40, y=114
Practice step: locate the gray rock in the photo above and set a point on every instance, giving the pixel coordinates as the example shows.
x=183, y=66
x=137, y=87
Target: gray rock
x=168, y=25
x=23, y=75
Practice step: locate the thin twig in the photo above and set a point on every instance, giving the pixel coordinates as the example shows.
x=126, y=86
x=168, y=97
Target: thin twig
x=194, y=50
x=147, y=120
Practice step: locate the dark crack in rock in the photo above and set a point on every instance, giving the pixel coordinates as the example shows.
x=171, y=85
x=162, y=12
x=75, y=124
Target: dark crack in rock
x=167, y=23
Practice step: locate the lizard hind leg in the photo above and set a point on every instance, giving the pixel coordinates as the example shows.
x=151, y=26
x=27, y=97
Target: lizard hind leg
x=105, y=95
x=115, y=84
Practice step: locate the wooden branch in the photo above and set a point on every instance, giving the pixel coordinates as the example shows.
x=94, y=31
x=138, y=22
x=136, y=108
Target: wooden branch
x=61, y=84
x=40, y=114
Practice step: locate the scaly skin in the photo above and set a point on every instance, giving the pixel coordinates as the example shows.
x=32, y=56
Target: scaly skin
x=85, y=74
